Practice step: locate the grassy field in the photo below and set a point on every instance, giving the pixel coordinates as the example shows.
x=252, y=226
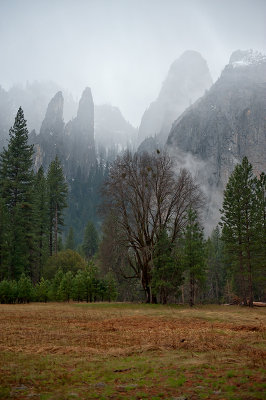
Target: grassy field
x=129, y=351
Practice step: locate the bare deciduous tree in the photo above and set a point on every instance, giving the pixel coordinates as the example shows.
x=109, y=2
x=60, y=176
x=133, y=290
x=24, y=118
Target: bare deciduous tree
x=147, y=196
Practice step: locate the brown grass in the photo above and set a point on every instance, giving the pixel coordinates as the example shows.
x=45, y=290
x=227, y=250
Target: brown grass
x=66, y=328
x=213, y=334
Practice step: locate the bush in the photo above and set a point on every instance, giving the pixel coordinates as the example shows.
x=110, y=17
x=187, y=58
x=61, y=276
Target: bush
x=67, y=260
x=25, y=289
x=8, y=292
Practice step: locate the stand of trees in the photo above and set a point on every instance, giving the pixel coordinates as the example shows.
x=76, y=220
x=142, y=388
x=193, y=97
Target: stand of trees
x=85, y=285
x=31, y=207
x=151, y=246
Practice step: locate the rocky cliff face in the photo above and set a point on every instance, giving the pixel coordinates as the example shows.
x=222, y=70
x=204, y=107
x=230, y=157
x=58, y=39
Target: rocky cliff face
x=187, y=80
x=227, y=123
x=83, y=124
x=73, y=142
x=53, y=123
x=112, y=131
x=50, y=141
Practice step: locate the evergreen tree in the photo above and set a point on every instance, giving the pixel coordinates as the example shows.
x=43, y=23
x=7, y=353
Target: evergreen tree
x=55, y=295
x=216, y=276
x=70, y=241
x=57, y=190
x=41, y=222
x=260, y=276
x=4, y=270
x=111, y=289
x=66, y=286
x=166, y=277
x=240, y=224
x=79, y=286
x=25, y=289
x=60, y=245
x=8, y=291
x=42, y=290
x=90, y=281
x=193, y=257
x=261, y=220
x=90, y=241
x=16, y=183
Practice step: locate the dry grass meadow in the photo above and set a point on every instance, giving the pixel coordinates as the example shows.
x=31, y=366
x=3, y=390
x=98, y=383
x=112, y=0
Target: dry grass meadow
x=131, y=351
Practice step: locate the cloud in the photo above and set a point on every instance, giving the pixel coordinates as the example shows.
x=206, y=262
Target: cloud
x=122, y=49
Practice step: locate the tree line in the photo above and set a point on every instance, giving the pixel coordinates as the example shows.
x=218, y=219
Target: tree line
x=151, y=246
x=31, y=207
x=85, y=285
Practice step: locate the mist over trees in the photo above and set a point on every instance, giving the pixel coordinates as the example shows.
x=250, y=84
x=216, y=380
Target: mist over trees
x=151, y=245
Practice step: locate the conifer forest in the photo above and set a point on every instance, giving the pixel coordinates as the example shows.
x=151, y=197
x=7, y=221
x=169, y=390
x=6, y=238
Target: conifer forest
x=148, y=243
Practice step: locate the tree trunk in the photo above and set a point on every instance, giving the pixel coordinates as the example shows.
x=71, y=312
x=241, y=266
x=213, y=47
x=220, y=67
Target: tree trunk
x=182, y=294
x=192, y=288
x=51, y=240
x=56, y=229
x=241, y=268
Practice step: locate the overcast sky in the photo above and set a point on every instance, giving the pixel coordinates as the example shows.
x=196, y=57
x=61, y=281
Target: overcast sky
x=122, y=49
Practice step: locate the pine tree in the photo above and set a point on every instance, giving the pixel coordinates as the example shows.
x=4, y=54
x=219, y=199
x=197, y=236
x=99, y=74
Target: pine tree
x=16, y=183
x=215, y=262
x=90, y=281
x=166, y=277
x=90, y=241
x=70, y=241
x=41, y=222
x=55, y=295
x=42, y=290
x=240, y=226
x=193, y=257
x=57, y=189
x=79, y=286
x=66, y=286
x=111, y=289
x=25, y=289
x=4, y=270
x=259, y=277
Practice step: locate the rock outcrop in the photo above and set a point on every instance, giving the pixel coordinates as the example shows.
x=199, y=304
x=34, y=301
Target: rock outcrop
x=227, y=123
x=50, y=141
x=112, y=131
x=73, y=142
x=80, y=135
x=187, y=80
x=53, y=123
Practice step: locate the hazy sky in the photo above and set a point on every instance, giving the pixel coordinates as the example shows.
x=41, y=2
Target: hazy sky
x=122, y=49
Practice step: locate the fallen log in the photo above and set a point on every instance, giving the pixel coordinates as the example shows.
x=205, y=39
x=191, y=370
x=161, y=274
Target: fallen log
x=259, y=304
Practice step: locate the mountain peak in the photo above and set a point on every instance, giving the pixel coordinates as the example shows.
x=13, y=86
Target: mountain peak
x=85, y=108
x=53, y=122
x=187, y=80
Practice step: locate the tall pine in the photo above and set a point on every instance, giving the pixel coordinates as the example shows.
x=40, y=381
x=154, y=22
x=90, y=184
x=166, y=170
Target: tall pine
x=90, y=241
x=240, y=223
x=16, y=184
x=41, y=223
x=57, y=192
x=193, y=254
